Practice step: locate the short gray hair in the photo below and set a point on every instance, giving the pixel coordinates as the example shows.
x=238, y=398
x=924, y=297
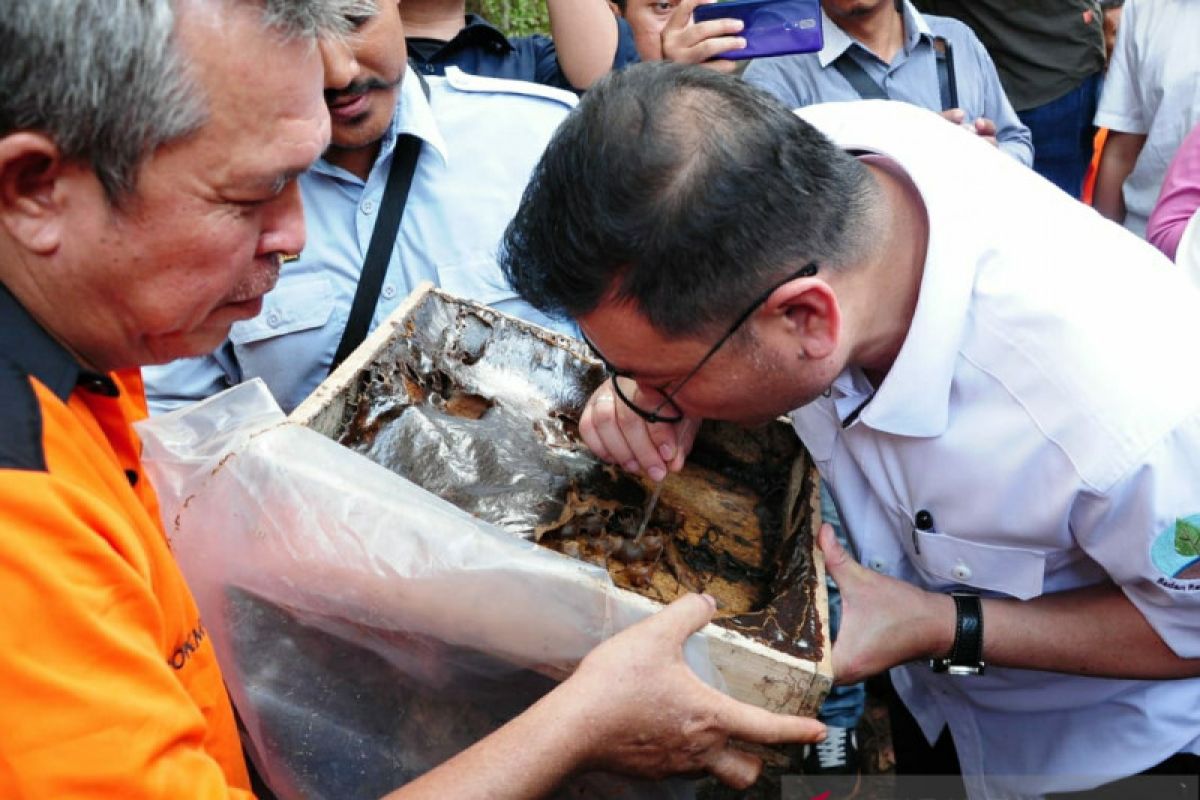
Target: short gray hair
x=105, y=79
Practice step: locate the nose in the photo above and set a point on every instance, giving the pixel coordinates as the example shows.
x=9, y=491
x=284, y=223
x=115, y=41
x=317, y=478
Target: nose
x=283, y=223
x=339, y=62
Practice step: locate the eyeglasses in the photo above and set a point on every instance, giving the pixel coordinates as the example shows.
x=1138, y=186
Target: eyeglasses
x=666, y=410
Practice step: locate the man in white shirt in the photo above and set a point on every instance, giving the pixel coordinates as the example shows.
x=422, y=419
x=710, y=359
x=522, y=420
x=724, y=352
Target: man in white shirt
x=1151, y=99
x=1004, y=409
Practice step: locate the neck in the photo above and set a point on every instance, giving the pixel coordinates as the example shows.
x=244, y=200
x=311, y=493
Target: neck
x=880, y=30
x=433, y=19
x=355, y=160
x=888, y=287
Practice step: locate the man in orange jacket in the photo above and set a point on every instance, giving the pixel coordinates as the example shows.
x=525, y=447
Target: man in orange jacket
x=148, y=156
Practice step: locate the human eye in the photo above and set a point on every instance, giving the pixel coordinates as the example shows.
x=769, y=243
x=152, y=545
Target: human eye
x=249, y=203
x=260, y=195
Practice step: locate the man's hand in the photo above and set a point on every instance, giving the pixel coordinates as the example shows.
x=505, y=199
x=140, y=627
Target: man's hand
x=983, y=127
x=688, y=42
x=651, y=716
x=885, y=621
x=619, y=436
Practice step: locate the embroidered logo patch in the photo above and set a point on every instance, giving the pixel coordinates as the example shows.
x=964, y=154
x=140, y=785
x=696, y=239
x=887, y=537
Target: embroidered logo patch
x=1176, y=554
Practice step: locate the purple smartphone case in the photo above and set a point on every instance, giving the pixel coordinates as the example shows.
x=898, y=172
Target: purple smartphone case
x=772, y=27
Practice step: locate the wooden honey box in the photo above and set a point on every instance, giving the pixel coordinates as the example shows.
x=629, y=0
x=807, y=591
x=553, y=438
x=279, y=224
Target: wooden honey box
x=482, y=409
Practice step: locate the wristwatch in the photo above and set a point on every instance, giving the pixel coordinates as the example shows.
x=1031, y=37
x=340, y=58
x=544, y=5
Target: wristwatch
x=966, y=656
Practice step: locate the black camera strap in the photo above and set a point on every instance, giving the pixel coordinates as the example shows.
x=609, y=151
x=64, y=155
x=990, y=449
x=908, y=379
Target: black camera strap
x=868, y=89
x=383, y=239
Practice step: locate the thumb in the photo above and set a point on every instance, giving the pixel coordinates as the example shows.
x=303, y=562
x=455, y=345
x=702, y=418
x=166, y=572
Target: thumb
x=685, y=616
x=840, y=565
x=685, y=435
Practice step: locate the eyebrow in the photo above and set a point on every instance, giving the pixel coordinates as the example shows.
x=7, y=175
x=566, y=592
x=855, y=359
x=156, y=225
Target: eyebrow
x=618, y=370
x=274, y=183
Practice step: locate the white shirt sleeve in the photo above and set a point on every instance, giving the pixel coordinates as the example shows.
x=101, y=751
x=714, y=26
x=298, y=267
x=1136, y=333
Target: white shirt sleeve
x=1145, y=533
x=1122, y=107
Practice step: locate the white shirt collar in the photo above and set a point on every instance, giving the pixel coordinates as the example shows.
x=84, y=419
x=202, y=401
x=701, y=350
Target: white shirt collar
x=914, y=398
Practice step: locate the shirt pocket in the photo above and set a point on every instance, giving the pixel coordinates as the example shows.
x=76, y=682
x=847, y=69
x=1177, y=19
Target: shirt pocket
x=476, y=278
x=1014, y=571
x=292, y=306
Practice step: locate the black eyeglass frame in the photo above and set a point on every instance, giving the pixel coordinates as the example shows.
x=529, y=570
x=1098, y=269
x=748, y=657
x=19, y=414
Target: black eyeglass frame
x=675, y=415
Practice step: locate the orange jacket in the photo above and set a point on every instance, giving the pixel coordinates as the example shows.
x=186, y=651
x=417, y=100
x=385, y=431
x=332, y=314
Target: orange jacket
x=109, y=685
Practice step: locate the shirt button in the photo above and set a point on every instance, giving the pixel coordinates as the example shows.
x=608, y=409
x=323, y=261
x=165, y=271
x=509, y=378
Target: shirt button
x=877, y=564
x=273, y=319
x=389, y=291
x=368, y=206
x=961, y=572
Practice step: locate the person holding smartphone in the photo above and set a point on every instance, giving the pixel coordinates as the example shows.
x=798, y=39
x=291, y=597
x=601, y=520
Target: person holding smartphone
x=877, y=49
x=663, y=30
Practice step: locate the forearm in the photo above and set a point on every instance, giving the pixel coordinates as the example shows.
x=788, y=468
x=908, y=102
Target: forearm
x=1179, y=199
x=528, y=757
x=1092, y=631
x=585, y=38
x=1121, y=152
x=1018, y=148
x=1012, y=136
x=184, y=381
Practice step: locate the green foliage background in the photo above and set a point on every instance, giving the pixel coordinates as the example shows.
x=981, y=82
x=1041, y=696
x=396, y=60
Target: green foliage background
x=514, y=17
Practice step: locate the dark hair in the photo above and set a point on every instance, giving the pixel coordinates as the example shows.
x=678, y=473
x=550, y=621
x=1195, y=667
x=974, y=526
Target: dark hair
x=685, y=192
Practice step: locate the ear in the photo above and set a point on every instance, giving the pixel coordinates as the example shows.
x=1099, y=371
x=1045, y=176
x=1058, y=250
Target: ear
x=32, y=174
x=808, y=311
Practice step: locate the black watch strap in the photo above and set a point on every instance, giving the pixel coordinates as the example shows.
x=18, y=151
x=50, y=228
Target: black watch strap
x=966, y=656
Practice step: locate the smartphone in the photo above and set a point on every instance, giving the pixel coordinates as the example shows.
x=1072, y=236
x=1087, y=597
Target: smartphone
x=771, y=27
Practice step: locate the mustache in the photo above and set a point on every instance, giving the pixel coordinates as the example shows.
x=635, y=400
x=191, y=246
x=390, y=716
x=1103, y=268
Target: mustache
x=355, y=89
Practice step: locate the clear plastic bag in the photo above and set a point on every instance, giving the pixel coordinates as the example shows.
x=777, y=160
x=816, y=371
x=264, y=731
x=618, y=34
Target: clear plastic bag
x=367, y=630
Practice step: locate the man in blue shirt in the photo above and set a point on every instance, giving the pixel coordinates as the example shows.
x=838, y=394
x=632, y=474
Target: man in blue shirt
x=586, y=43
x=468, y=180
x=894, y=45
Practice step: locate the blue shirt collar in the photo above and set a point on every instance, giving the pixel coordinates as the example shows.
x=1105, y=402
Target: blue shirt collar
x=479, y=29
x=837, y=41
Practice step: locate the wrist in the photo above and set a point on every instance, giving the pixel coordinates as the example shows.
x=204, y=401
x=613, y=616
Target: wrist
x=579, y=730
x=943, y=620
x=965, y=656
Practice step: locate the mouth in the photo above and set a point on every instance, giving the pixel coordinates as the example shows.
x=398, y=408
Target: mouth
x=247, y=301
x=246, y=309
x=348, y=107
